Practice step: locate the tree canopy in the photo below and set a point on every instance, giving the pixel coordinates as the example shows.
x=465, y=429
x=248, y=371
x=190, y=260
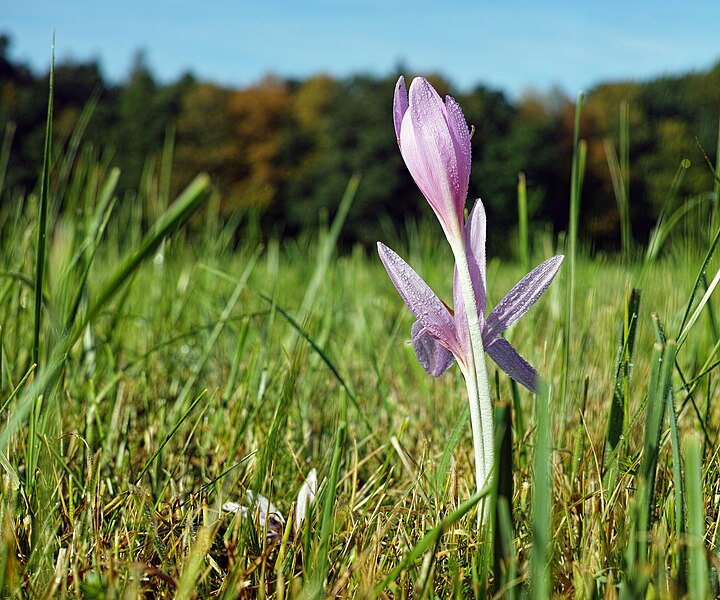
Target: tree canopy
x=287, y=148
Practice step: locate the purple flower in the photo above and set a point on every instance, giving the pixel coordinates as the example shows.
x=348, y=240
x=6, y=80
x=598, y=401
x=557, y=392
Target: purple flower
x=435, y=143
x=440, y=336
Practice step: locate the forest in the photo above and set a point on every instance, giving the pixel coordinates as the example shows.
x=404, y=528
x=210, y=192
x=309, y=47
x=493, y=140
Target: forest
x=283, y=150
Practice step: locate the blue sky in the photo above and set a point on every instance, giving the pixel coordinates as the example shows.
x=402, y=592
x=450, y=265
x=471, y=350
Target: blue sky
x=513, y=45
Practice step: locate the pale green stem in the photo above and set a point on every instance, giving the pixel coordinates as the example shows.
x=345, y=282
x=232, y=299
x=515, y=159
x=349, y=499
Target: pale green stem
x=481, y=474
x=476, y=377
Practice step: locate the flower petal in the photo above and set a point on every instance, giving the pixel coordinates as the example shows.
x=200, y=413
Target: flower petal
x=519, y=299
x=430, y=153
x=264, y=509
x=461, y=139
x=460, y=314
x=305, y=497
x=512, y=363
x=475, y=228
x=431, y=354
x=400, y=105
x=233, y=507
x=421, y=300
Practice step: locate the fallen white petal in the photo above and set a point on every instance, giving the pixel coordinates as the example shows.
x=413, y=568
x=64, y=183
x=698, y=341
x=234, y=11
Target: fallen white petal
x=305, y=497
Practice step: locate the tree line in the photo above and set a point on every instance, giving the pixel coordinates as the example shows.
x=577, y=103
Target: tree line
x=285, y=149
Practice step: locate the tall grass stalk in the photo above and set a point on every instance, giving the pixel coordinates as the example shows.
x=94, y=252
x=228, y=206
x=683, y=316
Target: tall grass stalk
x=701, y=305
x=195, y=564
x=8, y=136
x=659, y=395
x=620, y=175
x=576, y=181
x=216, y=331
x=329, y=508
x=667, y=222
x=697, y=554
x=523, y=233
x=542, y=498
x=716, y=185
x=32, y=441
x=679, y=493
x=504, y=567
x=619, y=407
x=701, y=276
x=327, y=246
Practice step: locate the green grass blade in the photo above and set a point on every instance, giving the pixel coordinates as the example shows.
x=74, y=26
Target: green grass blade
x=17, y=388
x=176, y=215
x=266, y=458
x=621, y=388
x=503, y=497
x=679, y=491
x=657, y=401
x=540, y=557
x=701, y=276
x=88, y=249
x=637, y=574
x=580, y=436
x=668, y=223
x=235, y=365
x=168, y=437
x=664, y=225
x=698, y=309
x=68, y=158
x=505, y=540
x=326, y=525
x=715, y=222
x=576, y=179
x=712, y=318
x=322, y=354
x=5, y=153
x=195, y=564
x=42, y=216
x=166, y=161
x=625, y=221
x=519, y=416
x=431, y=538
x=713, y=169
x=327, y=247
x=523, y=233
x=697, y=553
x=211, y=341
x=620, y=175
x=455, y=436
x=32, y=446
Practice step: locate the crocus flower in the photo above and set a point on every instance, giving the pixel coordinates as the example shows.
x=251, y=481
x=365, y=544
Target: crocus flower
x=438, y=335
x=434, y=141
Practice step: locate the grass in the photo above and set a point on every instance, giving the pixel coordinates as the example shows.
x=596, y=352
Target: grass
x=173, y=370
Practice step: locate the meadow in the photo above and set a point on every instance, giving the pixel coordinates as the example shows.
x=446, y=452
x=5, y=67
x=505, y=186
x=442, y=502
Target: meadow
x=159, y=360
